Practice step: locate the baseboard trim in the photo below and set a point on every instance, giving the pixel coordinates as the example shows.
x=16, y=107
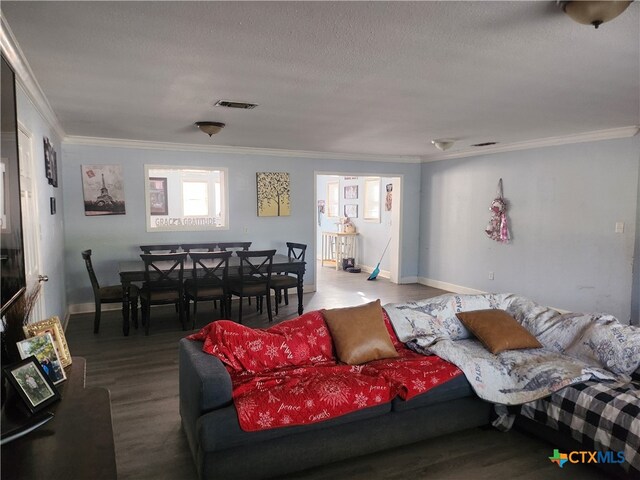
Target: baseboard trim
x=405, y=280
x=368, y=269
x=451, y=287
x=75, y=308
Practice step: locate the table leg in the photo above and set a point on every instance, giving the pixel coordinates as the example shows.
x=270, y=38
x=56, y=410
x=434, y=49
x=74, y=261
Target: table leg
x=125, y=307
x=324, y=249
x=300, y=292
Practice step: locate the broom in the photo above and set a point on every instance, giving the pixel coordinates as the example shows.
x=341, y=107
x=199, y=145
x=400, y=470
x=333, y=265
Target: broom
x=376, y=270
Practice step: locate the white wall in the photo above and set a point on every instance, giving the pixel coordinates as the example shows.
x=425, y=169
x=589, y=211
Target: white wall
x=564, y=203
x=51, y=226
x=116, y=238
x=635, y=285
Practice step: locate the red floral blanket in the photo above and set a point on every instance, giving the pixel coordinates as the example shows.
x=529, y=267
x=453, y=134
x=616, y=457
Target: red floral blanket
x=287, y=375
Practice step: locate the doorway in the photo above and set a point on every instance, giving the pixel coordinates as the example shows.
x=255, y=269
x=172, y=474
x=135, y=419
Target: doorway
x=372, y=204
x=30, y=217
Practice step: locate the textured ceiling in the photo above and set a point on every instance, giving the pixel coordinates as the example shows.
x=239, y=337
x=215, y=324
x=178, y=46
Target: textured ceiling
x=347, y=77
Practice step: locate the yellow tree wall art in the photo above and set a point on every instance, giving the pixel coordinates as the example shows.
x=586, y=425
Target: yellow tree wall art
x=274, y=195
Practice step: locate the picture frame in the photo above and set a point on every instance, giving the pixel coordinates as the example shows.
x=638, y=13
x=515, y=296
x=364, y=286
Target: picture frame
x=54, y=327
x=43, y=348
x=351, y=210
x=273, y=194
x=158, y=196
x=32, y=384
x=48, y=160
x=54, y=168
x=351, y=192
x=103, y=190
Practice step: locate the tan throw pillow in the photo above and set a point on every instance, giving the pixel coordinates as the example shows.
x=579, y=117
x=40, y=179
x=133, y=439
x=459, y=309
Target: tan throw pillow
x=497, y=330
x=359, y=334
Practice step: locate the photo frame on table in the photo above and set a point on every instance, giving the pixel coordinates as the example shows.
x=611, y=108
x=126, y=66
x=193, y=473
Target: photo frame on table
x=42, y=347
x=32, y=384
x=54, y=327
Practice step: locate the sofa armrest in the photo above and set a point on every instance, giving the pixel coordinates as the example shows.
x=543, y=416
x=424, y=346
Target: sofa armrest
x=205, y=383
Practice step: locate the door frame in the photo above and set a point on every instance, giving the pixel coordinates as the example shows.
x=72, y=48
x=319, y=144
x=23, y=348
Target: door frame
x=39, y=308
x=395, y=250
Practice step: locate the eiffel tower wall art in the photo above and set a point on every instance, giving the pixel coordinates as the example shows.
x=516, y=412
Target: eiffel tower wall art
x=103, y=188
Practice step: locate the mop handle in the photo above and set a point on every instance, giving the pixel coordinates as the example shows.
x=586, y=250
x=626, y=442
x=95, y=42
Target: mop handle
x=384, y=251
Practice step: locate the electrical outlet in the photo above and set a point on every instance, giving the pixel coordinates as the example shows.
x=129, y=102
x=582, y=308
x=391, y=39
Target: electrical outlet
x=490, y=275
x=619, y=227
x=245, y=229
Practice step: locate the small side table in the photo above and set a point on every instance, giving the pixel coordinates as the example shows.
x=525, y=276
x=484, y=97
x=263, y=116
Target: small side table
x=336, y=246
x=76, y=443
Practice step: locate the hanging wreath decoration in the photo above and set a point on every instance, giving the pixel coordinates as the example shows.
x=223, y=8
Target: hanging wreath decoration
x=498, y=228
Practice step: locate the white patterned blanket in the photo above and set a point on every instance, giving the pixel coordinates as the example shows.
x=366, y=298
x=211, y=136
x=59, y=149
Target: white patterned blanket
x=577, y=347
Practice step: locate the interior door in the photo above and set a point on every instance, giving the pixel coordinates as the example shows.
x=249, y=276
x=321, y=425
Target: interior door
x=30, y=219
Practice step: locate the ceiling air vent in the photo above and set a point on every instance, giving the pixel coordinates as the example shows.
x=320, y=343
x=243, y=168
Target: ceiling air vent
x=230, y=104
x=485, y=144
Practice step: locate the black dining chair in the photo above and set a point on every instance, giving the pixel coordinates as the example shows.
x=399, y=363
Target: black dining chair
x=108, y=294
x=209, y=281
x=253, y=278
x=150, y=249
x=235, y=247
x=283, y=282
x=163, y=284
x=199, y=247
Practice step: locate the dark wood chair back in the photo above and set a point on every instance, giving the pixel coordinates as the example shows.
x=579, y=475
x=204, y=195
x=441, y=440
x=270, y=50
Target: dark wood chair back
x=150, y=249
x=199, y=247
x=234, y=246
x=86, y=255
x=163, y=283
x=108, y=294
x=163, y=270
x=296, y=251
x=255, y=266
x=210, y=268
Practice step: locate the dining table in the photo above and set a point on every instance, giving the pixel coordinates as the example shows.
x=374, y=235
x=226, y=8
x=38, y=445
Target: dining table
x=133, y=271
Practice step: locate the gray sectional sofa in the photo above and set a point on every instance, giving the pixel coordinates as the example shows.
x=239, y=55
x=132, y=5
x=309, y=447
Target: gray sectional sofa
x=221, y=450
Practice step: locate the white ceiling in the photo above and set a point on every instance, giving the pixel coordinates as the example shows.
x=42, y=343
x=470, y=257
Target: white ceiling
x=380, y=78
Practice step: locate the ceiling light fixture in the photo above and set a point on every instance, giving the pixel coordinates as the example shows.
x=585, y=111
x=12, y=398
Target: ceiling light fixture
x=588, y=12
x=442, y=144
x=210, y=128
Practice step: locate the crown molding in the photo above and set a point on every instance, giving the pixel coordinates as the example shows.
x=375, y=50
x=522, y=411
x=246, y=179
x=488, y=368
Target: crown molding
x=595, y=136
x=228, y=149
x=25, y=77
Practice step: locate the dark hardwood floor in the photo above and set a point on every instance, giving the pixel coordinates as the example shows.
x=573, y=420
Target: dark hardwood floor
x=142, y=375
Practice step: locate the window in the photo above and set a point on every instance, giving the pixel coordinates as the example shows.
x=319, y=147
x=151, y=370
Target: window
x=195, y=200
x=333, y=199
x=372, y=199
x=186, y=198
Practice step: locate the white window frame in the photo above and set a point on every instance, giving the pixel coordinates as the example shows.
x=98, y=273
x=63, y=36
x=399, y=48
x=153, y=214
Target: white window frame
x=176, y=221
x=372, y=200
x=333, y=208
